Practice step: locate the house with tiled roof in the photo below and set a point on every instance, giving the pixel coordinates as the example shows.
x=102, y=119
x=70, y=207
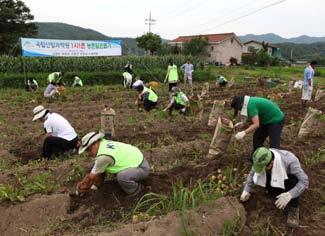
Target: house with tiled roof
x=254, y=46
x=220, y=49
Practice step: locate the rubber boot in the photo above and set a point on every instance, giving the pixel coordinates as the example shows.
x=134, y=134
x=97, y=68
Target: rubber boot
x=293, y=217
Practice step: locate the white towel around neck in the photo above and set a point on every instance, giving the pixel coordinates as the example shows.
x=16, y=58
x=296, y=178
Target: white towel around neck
x=279, y=174
x=243, y=111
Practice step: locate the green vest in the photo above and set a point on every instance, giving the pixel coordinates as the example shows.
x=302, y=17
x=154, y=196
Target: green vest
x=172, y=75
x=124, y=155
x=179, y=98
x=221, y=79
x=54, y=77
x=152, y=95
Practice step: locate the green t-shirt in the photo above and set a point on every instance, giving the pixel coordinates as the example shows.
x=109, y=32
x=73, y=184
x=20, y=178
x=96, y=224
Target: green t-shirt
x=267, y=111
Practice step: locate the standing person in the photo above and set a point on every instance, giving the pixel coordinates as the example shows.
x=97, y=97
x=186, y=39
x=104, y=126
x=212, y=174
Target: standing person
x=179, y=101
x=172, y=75
x=307, y=89
x=123, y=160
x=146, y=97
x=267, y=119
x=280, y=172
x=188, y=70
x=77, y=82
x=60, y=135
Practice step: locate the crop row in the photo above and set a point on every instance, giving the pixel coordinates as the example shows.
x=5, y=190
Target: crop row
x=87, y=64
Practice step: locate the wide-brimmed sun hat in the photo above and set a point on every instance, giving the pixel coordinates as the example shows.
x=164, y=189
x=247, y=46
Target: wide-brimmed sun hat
x=39, y=112
x=261, y=158
x=88, y=140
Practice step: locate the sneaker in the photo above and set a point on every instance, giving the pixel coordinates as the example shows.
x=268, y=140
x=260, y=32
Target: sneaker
x=293, y=217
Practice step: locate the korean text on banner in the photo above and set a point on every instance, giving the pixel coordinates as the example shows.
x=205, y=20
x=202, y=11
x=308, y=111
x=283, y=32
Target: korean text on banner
x=70, y=48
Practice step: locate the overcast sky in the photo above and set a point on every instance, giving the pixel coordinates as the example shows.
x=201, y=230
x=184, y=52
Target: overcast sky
x=126, y=18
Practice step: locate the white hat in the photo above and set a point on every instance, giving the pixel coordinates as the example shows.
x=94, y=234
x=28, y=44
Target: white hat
x=39, y=112
x=88, y=140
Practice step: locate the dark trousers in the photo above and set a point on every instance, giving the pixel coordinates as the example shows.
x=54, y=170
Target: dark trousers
x=55, y=145
x=148, y=105
x=288, y=184
x=175, y=106
x=171, y=85
x=272, y=130
x=223, y=83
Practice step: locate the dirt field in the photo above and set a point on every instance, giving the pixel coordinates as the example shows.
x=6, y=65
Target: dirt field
x=175, y=147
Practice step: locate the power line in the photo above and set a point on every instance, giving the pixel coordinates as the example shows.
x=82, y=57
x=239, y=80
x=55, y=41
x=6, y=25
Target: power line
x=208, y=22
x=176, y=9
x=245, y=15
x=226, y=13
x=150, y=22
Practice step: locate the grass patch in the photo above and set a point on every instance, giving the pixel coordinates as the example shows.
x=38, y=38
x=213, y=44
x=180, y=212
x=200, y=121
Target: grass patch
x=319, y=156
x=266, y=229
x=180, y=198
x=43, y=183
x=76, y=174
x=230, y=228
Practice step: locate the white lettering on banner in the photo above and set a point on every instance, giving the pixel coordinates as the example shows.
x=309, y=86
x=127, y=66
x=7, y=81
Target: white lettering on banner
x=70, y=48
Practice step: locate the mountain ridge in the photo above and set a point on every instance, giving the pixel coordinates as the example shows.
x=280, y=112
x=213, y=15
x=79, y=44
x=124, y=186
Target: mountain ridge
x=274, y=38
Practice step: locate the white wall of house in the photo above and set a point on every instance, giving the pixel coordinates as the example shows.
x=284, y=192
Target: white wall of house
x=257, y=46
x=223, y=51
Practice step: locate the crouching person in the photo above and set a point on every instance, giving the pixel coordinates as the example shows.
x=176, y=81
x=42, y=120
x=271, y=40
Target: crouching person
x=123, y=160
x=146, y=97
x=279, y=171
x=178, y=101
x=60, y=135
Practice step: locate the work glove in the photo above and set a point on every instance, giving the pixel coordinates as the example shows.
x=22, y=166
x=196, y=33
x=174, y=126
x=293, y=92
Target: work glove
x=240, y=135
x=244, y=196
x=93, y=187
x=183, y=109
x=282, y=200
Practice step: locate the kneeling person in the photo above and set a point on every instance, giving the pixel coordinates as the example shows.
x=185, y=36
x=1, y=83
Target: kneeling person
x=179, y=101
x=221, y=81
x=279, y=171
x=60, y=135
x=147, y=96
x=124, y=160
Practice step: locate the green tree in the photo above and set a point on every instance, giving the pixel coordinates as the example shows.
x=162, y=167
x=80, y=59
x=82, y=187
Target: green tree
x=150, y=42
x=196, y=46
x=15, y=22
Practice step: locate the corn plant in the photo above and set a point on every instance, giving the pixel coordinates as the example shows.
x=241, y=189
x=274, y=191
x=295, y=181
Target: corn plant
x=90, y=64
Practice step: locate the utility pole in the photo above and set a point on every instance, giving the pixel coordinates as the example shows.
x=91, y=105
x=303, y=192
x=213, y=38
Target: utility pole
x=150, y=22
x=291, y=54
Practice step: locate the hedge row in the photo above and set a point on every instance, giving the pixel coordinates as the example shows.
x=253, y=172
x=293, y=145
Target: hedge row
x=16, y=80
x=87, y=64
